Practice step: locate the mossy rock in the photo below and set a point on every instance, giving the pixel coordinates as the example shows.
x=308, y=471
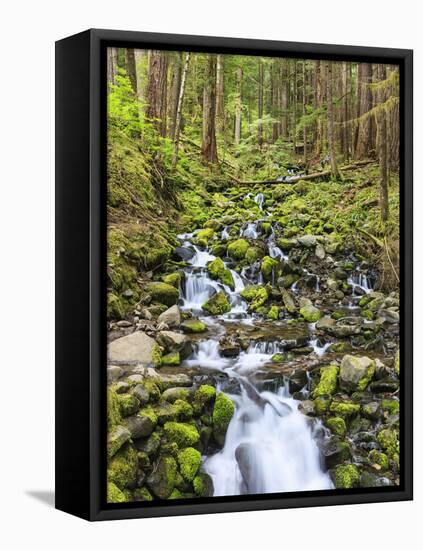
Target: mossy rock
x=116, y=438
x=253, y=254
x=189, y=460
x=161, y=481
x=204, y=396
x=268, y=264
x=173, y=279
x=183, y=410
x=344, y=408
x=218, y=304
x=390, y=406
x=171, y=359
x=273, y=313
x=142, y=494
x=337, y=425
x=321, y=405
x=115, y=307
x=346, y=476
x=310, y=313
x=238, y=249
x=256, y=295
x=122, y=468
x=193, y=326
x=115, y=495
x=114, y=416
x=388, y=440
x=163, y=293
x=223, y=412
x=219, y=249
x=204, y=235
x=328, y=381
x=378, y=458
x=129, y=404
x=217, y=270
x=203, y=485
x=183, y=434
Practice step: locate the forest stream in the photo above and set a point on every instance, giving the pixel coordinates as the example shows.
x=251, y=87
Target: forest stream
x=250, y=399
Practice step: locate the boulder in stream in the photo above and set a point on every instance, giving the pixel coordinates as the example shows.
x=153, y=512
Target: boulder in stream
x=134, y=348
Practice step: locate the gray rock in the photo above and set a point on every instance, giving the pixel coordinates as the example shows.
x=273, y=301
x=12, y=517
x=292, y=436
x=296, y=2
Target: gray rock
x=174, y=341
x=122, y=387
x=161, y=480
x=371, y=410
x=124, y=324
x=116, y=438
x=172, y=317
x=288, y=301
x=139, y=426
x=113, y=373
x=134, y=348
x=308, y=241
x=390, y=315
x=172, y=394
x=384, y=386
x=325, y=323
x=356, y=372
x=307, y=407
x=141, y=393
x=320, y=252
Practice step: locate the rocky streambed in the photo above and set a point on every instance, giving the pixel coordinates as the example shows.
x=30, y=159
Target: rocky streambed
x=265, y=361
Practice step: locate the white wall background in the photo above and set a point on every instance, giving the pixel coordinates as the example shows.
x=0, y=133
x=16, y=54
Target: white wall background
x=28, y=32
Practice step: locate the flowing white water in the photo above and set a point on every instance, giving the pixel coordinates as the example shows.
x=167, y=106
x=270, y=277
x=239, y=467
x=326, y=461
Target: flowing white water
x=359, y=280
x=270, y=446
x=259, y=199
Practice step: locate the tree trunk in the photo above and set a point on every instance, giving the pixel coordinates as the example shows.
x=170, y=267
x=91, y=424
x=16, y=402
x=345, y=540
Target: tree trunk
x=275, y=100
x=382, y=145
x=294, y=108
x=112, y=64
x=304, y=112
x=178, y=118
x=364, y=137
x=220, y=90
x=284, y=100
x=175, y=93
x=331, y=138
x=238, y=105
x=260, y=102
x=344, y=111
x=208, y=148
x=157, y=90
x=318, y=105
x=131, y=70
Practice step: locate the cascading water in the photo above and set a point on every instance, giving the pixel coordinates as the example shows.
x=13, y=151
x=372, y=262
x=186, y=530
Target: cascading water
x=270, y=445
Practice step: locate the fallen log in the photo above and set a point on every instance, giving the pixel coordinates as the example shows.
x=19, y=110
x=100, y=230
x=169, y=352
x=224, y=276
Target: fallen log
x=307, y=177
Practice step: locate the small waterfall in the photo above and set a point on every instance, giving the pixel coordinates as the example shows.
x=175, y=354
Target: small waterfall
x=201, y=257
x=250, y=232
x=225, y=234
x=259, y=199
x=269, y=447
x=361, y=281
x=197, y=289
x=317, y=348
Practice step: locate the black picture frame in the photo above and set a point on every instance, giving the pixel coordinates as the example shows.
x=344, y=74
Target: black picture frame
x=81, y=265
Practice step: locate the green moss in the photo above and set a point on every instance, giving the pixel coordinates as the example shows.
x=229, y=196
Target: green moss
x=129, y=404
x=156, y=355
x=122, y=468
x=223, y=412
x=267, y=266
x=238, y=249
x=193, y=326
x=217, y=270
x=114, y=494
x=218, y=249
x=376, y=457
x=115, y=307
x=204, y=235
x=344, y=408
x=397, y=362
x=367, y=314
x=113, y=409
x=253, y=254
x=183, y=434
x=173, y=279
x=171, y=359
x=149, y=413
x=217, y=304
x=347, y=476
x=175, y=495
x=163, y=293
x=328, y=381
x=321, y=405
x=153, y=390
x=189, y=461
x=391, y=406
x=142, y=495
x=273, y=313
x=310, y=313
x=203, y=485
x=337, y=425
x=388, y=440
x=259, y=300
x=183, y=410
x=162, y=479
x=203, y=396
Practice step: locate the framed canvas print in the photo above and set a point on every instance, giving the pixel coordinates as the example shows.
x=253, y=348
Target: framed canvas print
x=234, y=274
